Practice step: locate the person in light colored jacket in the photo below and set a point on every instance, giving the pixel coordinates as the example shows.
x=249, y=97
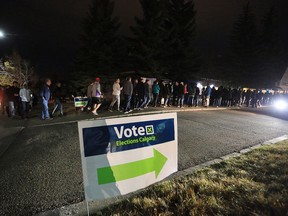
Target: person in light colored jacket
x=25, y=95
x=116, y=95
x=155, y=90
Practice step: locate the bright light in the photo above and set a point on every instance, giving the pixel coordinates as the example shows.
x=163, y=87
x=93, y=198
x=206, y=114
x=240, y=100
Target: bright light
x=211, y=86
x=281, y=104
x=2, y=35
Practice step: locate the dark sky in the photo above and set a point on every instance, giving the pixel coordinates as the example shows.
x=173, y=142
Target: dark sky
x=46, y=32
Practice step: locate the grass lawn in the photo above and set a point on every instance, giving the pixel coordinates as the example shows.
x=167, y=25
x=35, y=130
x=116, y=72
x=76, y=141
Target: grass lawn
x=255, y=183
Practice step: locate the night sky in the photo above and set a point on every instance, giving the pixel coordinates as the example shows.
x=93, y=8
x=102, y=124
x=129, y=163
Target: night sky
x=46, y=32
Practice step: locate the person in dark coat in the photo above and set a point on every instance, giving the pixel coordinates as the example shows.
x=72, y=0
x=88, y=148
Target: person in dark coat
x=57, y=93
x=196, y=96
x=134, y=99
x=166, y=94
x=13, y=99
x=141, y=90
x=163, y=93
x=148, y=93
x=254, y=99
x=45, y=97
x=181, y=93
x=127, y=92
x=175, y=93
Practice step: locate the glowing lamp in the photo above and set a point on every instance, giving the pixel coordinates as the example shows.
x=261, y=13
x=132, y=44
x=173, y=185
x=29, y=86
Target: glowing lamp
x=2, y=35
x=281, y=104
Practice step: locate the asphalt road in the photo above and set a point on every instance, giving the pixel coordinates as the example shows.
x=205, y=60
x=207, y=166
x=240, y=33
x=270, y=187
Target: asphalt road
x=41, y=170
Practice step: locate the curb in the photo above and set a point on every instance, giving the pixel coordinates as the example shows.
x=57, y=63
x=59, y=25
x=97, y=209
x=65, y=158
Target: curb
x=80, y=209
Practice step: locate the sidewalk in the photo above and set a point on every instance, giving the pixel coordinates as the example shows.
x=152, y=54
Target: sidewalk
x=74, y=116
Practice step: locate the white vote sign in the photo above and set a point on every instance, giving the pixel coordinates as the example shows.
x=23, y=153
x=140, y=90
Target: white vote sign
x=122, y=155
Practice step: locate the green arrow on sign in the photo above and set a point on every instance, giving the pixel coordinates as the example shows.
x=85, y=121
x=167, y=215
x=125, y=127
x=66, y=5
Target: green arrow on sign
x=131, y=170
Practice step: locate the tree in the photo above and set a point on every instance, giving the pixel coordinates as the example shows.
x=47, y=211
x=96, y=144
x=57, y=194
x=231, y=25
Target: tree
x=163, y=42
x=15, y=69
x=148, y=43
x=244, y=49
x=181, y=56
x=271, y=52
x=101, y=42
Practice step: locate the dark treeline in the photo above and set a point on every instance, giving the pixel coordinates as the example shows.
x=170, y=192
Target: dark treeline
x=162, y=42
x=256, y=56
x=162, y=45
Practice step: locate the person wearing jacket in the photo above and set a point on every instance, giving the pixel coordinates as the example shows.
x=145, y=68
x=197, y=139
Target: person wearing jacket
x=148, y=92
x=96, y=95
x=25, y=96
x=116, y=95
x=181, y=94
x=207, y=94
x=57, y=93
x=155, y=90
x=141, y=90
x=45, y=97
x=89, y=98
x=127, y=92
x=175, y=94
x=13, y=99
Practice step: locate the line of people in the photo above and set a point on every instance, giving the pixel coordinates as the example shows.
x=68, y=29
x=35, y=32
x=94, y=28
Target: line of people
x=16, y=101
x=236, y=97
x=130, y=95
x=140, y=94
x=19, y=101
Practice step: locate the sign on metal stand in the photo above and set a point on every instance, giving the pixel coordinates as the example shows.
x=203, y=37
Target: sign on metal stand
x=122, y=155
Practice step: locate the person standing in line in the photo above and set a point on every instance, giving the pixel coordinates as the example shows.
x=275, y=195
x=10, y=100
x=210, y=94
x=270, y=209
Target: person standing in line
x=155, y=90
x=141, y=90
x=134, y=98
x=127, y=91
x=3, y=99
x=5, y=102
x=181, y=92
x=25, y=96
x=57, y=93
x=191, y=93
x=207, y=95
x=170, y=94
x=96, y=95
x=165, y=93
x=161, y=92
x=186, y=94
x=13, y=98
x=197, y=96
x=175, y=94
x=45, y=97
x=89, y=98
x=148, y=92
x=116, y=95
x=219, y=95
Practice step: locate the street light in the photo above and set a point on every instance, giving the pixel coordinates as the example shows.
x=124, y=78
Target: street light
x=2, y=35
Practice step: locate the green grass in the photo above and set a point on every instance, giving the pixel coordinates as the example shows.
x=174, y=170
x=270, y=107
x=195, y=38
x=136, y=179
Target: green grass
x=255, y=183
